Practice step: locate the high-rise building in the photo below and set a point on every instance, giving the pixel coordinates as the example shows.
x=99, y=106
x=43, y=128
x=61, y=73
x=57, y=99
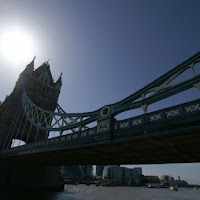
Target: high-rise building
x=139, y=169
x=122, y=175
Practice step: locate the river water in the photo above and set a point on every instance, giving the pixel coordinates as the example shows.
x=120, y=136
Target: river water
x=83, y=192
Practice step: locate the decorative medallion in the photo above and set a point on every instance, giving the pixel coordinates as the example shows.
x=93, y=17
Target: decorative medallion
x=105, y=111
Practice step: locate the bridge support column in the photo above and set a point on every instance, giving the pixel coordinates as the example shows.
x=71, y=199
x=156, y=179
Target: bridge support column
x=20, y=175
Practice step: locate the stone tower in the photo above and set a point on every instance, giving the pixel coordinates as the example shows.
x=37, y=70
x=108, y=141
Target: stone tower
x=44, y=92
x=39, y=84
x=41, y=89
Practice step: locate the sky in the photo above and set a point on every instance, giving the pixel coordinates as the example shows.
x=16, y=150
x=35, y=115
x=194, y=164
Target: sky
x=106, y=50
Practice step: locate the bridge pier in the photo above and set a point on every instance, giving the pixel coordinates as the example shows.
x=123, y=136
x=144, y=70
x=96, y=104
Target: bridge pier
x=21, y=175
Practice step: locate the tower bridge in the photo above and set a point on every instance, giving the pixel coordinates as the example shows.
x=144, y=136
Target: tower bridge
x=31, y=114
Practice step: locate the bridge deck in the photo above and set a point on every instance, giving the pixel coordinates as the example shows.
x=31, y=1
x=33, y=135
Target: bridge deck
x=170, y=135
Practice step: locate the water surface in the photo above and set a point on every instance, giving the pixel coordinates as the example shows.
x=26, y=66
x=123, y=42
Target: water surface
x=83, y=192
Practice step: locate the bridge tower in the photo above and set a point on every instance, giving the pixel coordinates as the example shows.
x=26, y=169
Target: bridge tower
x=44, y=92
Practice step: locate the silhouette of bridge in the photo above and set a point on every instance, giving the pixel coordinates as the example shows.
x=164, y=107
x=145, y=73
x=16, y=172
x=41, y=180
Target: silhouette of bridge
x=31, y=114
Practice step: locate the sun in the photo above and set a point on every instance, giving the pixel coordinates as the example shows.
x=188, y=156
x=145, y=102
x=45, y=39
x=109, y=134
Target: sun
x=16, y=45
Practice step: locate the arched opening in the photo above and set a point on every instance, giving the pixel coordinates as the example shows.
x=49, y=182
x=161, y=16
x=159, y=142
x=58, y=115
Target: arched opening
x=17, y=142
x=184, y=76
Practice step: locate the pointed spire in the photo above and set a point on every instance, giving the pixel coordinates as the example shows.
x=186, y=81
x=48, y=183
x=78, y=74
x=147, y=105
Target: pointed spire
x=58, y=83
x=30, y=67
x=60, y=78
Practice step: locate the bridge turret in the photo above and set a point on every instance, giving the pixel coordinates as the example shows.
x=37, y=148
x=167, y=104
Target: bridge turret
x=43, y=74
x=40, y=85
x=29, y=68
x=58, y=83
x=41, y=89
x=25, y=75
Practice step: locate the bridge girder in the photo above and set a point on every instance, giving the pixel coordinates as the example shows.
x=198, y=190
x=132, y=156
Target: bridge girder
x=159, y=89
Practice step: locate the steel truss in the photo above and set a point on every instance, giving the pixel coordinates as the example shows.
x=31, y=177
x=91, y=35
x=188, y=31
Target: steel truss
x=159, y=89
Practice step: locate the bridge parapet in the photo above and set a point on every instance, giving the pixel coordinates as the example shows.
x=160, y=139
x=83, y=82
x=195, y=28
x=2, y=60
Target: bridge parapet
x=174, y=112
x=110, y=128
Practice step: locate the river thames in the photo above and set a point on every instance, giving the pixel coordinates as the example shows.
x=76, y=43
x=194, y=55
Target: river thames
x=83, y=192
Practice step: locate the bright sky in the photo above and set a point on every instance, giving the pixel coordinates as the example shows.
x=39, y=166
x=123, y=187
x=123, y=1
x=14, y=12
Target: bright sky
x=106, y=49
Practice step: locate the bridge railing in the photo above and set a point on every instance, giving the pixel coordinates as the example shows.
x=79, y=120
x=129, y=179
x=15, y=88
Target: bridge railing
x=160, y=115
x=175, y=112
x=58, y=139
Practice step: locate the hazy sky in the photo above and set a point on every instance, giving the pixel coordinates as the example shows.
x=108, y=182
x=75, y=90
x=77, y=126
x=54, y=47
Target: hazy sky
x=106, y=49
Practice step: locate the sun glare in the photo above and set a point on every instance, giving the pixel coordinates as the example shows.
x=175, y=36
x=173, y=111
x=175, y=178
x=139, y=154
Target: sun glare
x=16, y=45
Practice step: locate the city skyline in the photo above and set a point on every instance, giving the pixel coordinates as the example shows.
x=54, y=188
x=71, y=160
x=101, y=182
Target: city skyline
x=106, y=50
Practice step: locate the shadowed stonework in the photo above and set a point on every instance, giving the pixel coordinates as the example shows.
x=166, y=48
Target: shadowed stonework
x=44, y=92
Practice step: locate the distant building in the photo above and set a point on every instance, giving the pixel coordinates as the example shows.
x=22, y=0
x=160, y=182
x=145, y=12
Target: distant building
x=77, y=172
x=127, y=176
x=139, y=169
x=87, y=171
x=72, y=172
x=167, y=180
x=121, y=175
x=181, y=183
x=99, y=170
x=152, y=179
x=113, y=173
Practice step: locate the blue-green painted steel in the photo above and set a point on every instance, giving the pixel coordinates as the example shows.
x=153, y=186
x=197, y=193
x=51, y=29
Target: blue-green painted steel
x=118, y=108
x=183, y=66
x=127, y=103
